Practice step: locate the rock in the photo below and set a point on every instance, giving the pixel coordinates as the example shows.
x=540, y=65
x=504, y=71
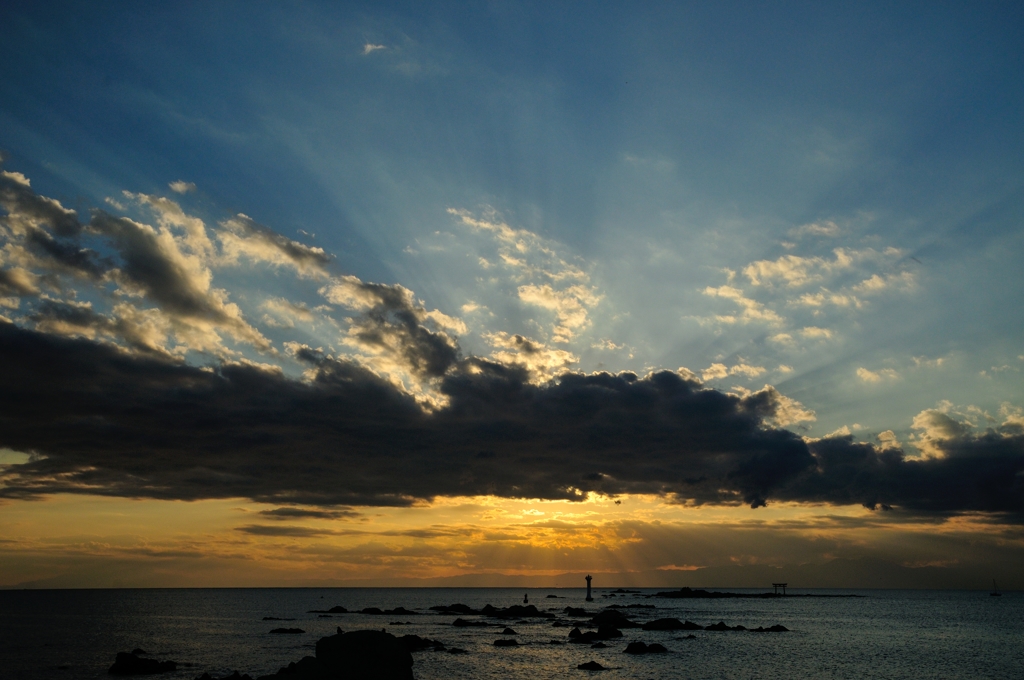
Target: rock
x=401, y=611
x=372, y=610
x=720, y=626
x=415, y=643
x=131, y=664
x=454, y=609
x=575, y=633
x=306, y=668
x=509, y=631
x=642, y=648
x=551, y=596
x=365, y=654
x=591, y=666
x=333, y=610
x=778, y=628
x=516, y=611
x=462, y=623
x=613, y=617
x=578, y=612
x=664, y=624
x=506, y=643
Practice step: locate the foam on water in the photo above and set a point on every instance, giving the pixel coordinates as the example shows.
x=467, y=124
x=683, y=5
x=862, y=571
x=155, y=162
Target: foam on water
x=75, y=634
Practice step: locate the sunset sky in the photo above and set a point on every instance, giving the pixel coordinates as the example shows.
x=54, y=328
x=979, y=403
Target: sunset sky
x=501, y=293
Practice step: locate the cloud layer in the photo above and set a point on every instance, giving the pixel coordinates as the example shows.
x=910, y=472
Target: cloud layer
x=101, y=385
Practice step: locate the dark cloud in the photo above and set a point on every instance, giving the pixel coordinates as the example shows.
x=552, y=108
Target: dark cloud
x=281, y=531
x=147, y=264
x=394, y=324
x=67, y=256
x=17, y=198
x=106, y=422
x=262, y=243
x=293, y=513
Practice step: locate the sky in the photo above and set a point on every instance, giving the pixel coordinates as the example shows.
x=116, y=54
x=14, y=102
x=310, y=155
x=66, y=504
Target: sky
x=502, y=293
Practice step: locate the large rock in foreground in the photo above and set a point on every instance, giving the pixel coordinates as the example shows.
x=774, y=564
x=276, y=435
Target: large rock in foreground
x=365, y=654
x=130, y=663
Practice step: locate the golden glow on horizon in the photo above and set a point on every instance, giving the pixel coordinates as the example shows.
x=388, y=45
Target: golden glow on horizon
x=95, y=541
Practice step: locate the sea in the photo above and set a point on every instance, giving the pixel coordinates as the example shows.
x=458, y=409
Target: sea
x=76, y=634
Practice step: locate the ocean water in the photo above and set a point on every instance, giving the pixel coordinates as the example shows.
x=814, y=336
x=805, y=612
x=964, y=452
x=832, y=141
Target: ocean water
x=75, y=634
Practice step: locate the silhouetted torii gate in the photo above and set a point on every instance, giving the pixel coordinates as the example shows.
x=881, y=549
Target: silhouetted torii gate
x=776, y=586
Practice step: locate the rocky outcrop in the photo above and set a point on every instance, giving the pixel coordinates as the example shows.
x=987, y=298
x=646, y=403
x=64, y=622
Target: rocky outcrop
x=506, y=643
x=614, y=618
x=365, y=654
x=132, y=663
x=591, y=666
x=643, y=648
x=333, y=610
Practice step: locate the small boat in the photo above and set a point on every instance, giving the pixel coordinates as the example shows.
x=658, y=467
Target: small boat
x=995, y=590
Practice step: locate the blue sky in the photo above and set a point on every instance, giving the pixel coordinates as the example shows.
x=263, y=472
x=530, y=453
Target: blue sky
x=824, y=198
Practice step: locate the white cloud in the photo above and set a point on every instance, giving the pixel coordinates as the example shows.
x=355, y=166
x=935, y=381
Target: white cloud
x=370, y=47
x=716, y=371
x=823, y=228
x=815, y=333
x=180, y=187
x=876, y=376
x=752, y=309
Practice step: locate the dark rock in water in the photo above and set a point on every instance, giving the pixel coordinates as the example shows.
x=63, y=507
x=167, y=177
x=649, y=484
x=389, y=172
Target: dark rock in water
x=415, y=643
x=613, y=617
x=333, y=610
x=516, y=611
x=606, y=632
x=234, y=676
x=132, y=664
x=372, y=610
x=664, y=624
x=578, y=612
x=457, y=650
x=270, y=618
x=454, y=609
x=401, y=611
x=690, y=625
x=642, y=648
x=506, y=643
x=575, y=633
x=551, y=596
x=463, y=623
x=307, y=668
x=288, y=631
x=509, y=631
x=777, y=628
x=591, y=666
x=720, y=626
x=369, y=654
